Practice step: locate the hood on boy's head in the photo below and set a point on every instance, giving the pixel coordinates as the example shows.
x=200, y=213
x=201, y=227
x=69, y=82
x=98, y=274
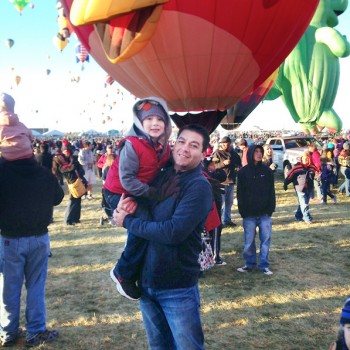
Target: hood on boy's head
x=151, y=106
x=250, y=152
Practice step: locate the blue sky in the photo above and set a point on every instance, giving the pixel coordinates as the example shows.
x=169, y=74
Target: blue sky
x=54, y=102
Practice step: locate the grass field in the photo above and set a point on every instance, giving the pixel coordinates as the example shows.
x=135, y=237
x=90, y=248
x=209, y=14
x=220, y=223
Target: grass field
x=296, y=308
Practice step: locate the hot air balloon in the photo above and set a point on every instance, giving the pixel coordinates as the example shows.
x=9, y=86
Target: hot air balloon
x=48, y=71
x=109, y=80
x=81, y=54
x=20, y=4
x=10, y=42
x=60, y=41
x=17, y=79
x=308, y=78
x=240, y=111
x=198, y=55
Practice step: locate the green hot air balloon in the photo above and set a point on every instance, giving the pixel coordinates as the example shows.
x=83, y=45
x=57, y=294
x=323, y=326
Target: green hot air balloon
x=308, y=79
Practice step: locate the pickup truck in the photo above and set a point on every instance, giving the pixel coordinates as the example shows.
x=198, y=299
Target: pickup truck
x=288, y=150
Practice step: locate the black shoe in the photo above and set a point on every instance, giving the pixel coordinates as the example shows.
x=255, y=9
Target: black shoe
x=231, y=224
x=11, y=339
x=127, y=289
x=42, y=338
x=70, y=223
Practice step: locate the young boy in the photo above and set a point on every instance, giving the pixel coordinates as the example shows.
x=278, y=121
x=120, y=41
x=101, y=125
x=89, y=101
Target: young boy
x=141, y=155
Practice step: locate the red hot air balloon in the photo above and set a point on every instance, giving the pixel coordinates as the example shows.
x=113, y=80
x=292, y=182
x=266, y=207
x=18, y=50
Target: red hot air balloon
x=197, y=55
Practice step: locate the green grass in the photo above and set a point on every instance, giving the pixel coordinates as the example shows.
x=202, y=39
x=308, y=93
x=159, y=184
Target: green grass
x=296, y=308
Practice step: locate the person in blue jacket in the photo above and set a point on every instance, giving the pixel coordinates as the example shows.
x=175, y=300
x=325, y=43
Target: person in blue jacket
x=170, y=298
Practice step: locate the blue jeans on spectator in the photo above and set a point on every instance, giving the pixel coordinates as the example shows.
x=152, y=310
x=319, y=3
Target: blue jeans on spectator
x=303, y=210
x=171, y=318
x=23, y=259
x=346, y=184
x=227, y=201
x=264, y=223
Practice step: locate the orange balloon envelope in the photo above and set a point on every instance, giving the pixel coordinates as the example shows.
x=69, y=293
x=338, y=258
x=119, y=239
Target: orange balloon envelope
x=197, y=55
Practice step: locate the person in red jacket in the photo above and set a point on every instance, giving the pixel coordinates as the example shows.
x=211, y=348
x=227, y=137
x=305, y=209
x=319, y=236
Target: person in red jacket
x=141, y=155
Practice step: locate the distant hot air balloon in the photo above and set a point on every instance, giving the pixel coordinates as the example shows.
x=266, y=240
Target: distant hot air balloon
x=20, y=4
x=31, y=5
x=17, y=79
x=48, y=71
x=81, y=54
x=109, y=80
x=10, y=42
x=60, y=41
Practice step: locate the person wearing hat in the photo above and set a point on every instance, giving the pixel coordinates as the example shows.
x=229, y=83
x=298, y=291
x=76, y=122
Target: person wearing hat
x=68, y=166
x=230, y=162
x=302, y=176
x=216, y=177
x=343, y=341
x=141, y=155
x=28, y=193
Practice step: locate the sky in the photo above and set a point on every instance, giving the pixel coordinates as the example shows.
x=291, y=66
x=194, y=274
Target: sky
x=54, y=101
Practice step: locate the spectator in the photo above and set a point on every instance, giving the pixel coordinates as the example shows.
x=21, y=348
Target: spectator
x=243, y=146
x=268, y=157
x=315, y=158
x=343, y=341
x=44, y=158
x=86, y=159
x=216, y=176
x=170, y=299
x=302, y=176
x=344, y=162
x=230, y=162
x=327, y=172
x=256, y=203
x=28, y=193
x=68, y=165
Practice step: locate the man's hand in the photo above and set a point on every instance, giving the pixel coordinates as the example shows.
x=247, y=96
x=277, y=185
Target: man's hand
x=119, y=216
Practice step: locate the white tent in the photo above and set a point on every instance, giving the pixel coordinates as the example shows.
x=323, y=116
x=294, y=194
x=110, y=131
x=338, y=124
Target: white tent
x=35, y=133
x=53, y=133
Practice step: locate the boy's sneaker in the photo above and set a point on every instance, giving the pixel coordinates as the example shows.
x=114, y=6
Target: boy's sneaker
x=11, y=339
x=127, y=289
x=245, y=268
x=90, y=196
x=267, y=271
x=42, y=338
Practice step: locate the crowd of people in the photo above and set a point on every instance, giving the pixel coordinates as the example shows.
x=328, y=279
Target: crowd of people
x=166, y=193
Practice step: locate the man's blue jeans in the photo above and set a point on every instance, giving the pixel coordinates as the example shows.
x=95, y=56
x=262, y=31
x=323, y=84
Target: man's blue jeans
x=171, y=318
x=303, y=210
x=264, y=223
x=23, y=259
x=227, y=201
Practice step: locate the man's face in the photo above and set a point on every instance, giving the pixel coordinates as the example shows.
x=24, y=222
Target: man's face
x=258, y=154
x=225, y=145
x=188, y=150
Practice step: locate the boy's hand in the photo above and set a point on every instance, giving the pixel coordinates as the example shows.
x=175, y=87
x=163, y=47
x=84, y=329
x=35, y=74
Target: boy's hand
x=127, y=204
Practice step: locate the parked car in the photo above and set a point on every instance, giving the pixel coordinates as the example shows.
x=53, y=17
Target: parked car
x=288, y=150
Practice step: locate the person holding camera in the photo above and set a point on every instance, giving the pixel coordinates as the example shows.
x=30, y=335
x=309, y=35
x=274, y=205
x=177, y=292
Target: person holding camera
x=268, y=157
